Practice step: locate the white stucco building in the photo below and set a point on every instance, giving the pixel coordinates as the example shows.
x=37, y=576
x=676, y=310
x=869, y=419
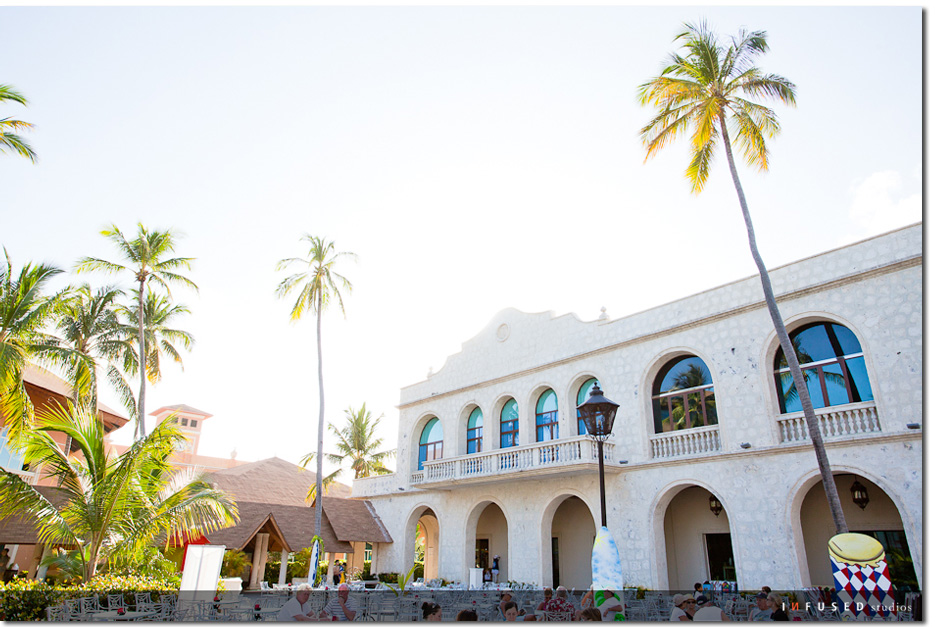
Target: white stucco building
x=702, y=414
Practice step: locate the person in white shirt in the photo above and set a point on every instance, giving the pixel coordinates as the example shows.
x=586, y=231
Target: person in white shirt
x=298, y=608
x=340, y=607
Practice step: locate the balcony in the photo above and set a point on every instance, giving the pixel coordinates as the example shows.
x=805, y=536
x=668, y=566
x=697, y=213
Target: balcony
x=834, y=422
x=686, y=442
x=571, y=456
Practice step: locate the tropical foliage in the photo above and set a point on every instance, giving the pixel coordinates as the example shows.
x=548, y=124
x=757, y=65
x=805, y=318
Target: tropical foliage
x=110, y=508
x=317, y=285
x=161, y=339
x=711, y=89
x=148, y=257
x=25, y=313
x=9, y=140
x=356, y=443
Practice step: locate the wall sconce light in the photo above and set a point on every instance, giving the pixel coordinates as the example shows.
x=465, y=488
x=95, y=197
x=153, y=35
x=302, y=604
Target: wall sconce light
x=714, y=504
x=623, y=461
x=859, y=494
x=913, y=425
x=745, y=445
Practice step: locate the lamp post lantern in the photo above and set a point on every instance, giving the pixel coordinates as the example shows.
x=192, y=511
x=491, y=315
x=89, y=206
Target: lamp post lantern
x=598, y=414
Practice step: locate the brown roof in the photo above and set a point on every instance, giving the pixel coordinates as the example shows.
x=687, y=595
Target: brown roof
x=355, y=521
x=271, y=480
x=51, y=387
x=16, y=530
x=289, y=524
x=181, y=408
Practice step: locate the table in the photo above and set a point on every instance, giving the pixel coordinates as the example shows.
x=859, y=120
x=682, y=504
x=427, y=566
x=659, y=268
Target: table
x=115, y=615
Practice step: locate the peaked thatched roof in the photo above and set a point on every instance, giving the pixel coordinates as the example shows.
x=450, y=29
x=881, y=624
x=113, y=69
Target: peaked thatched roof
x=291, y=527
x=271, y=480
x=355, y=521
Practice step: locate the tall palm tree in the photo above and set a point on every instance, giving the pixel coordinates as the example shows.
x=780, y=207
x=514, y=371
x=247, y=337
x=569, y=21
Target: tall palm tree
x=707, y=88
x=87, y=322
x=24, y=313
x=147, y=256
x=358, y=444
x=104, y=506
x=9, y=140
x=319, y=285
x=158, y=313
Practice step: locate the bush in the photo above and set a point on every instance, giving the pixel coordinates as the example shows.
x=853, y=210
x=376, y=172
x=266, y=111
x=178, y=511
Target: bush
x=234, y=563
x=26, y=599
x=388, y=577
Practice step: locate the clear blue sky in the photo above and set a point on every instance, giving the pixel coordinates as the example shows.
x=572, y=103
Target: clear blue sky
x=468, y=155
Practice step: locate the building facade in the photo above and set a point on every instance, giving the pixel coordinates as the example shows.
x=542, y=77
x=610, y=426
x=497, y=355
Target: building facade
x=710, y=474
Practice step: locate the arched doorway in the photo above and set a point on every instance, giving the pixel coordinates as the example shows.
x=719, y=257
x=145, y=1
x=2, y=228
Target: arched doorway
x=568, y=536
x=487, y=538
x=698, y=542
x=424, y=527
x=879, y=518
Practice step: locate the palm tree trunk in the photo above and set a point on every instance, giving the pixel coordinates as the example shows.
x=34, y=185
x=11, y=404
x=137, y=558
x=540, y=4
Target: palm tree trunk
x=142, y=359
x=812, y=424
x=318, y=511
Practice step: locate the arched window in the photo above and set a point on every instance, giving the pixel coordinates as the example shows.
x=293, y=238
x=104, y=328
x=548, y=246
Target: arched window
x=509, y=424
x=431, y=445
x=684, y=395
x=475, y=431
x=833, y=368
x=546, y=417
x=583, y=393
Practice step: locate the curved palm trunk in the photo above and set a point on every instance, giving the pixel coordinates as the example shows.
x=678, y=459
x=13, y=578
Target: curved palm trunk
x=141, y=427
x=318, y=515
x=812, y=424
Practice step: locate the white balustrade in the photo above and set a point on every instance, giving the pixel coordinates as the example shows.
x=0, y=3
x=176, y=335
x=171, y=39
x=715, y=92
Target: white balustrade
x=686, y=442
x=555, y=453
x=841, y=420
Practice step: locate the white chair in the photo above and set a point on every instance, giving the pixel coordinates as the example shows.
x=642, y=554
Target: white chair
x=56, y=614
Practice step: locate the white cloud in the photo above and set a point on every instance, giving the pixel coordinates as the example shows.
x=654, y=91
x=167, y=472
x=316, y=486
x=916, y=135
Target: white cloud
x=882, y=202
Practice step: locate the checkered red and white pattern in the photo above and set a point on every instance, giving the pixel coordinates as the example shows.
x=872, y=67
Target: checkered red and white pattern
x=864, y=590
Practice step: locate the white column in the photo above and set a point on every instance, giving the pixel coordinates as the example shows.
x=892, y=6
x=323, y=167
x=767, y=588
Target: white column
x=46, y=552
x=328, y=580
x=282, y=576
x=264, y=559
x=258, y=559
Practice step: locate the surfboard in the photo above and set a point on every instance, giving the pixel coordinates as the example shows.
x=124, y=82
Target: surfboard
x=606, y=573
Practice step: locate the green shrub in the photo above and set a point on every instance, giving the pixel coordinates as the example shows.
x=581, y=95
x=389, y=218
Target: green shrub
x=234, y=563
x=26, y=599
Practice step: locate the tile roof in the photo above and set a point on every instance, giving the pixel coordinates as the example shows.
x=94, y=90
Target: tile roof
x=62, y=392
x=293, y=524
x=355, y=521
x=271, y=480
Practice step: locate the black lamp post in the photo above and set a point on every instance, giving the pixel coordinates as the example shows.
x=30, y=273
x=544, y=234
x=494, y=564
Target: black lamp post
x=598, y=414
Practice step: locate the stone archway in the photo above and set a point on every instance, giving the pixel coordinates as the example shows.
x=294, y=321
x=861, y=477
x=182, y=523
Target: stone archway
x=424, y=527
x=879, y=518
x=487, y=537
x=568, y=532
x=697, y=542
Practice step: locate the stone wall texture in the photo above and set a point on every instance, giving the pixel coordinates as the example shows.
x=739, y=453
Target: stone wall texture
x=873, y=287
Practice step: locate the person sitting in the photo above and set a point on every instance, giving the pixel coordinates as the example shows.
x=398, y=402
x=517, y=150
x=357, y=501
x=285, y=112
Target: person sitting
x=298, y=608
x=504, y=598
x=432, y=611
x=699, y=592
x=590, y=613
x=610, y=607
x=560, y=603
x=511, y=611
x=778, y=611
x=469, y=615
x=708, y=611
x=340, y=607
x=548, y=597
x=684, y=607
x=762, y=612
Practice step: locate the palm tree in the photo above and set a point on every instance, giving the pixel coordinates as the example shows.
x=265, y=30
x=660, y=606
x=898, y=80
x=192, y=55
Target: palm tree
x=24, y=313
x=87, y=322
x=357, y=443
x=158, y=313
x=709, y=89
x=105, y=507
x=9, y=141
x=319, y=284
x=147, y=257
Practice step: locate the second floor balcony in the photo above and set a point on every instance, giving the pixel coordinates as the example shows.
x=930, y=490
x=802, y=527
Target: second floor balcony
x=570, y=456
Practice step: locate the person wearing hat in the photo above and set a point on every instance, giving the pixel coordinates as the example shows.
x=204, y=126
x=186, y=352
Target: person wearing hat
x=706, y=611
x=763, y=610
x=684, y=607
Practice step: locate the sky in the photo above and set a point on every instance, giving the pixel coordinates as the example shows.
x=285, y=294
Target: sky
x=474, y=158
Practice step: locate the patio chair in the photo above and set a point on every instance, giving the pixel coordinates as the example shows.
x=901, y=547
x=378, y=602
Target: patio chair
x=116, y=601
x=73, y=609
x=56, y=614
x=556, y=617
x=89, y=605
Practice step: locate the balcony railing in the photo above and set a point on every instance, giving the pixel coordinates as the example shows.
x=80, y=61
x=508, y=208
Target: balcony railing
x=555, y=454
x=855, y=419
x=686, y=442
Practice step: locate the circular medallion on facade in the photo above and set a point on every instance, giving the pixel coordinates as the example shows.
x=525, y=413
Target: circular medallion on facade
x=502, y=332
